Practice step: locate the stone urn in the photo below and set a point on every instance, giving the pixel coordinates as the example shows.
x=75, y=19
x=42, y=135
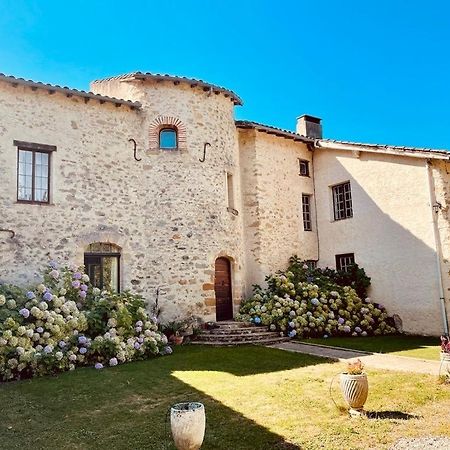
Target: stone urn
x=355, y=389
x=445, y=363
x=188, y=421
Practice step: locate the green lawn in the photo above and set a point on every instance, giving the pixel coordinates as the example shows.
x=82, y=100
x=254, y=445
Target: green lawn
x=414, y=346
x=256, y=398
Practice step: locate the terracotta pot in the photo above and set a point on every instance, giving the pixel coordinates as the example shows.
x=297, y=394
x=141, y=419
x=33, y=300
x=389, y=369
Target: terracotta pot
x=177, y=340
x=445, y=362
x=188, y=421
x=355, y=389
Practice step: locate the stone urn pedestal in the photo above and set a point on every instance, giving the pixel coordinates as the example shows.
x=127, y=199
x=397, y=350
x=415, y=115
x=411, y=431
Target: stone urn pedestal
x=187, y=422
x=355, y=389
x=445, y=364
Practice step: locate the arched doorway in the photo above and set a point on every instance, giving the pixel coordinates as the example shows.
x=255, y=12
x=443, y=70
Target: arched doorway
x=222, y=288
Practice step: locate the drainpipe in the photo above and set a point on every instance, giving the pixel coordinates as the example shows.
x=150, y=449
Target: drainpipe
x=434, y=212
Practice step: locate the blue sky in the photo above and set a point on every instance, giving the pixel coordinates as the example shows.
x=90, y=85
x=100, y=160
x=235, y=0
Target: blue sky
x=374, y=71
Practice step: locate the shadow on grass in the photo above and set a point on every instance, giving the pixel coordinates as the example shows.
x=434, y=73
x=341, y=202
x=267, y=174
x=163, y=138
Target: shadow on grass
x=379, y=344
x=390, y=415
x=126, y=406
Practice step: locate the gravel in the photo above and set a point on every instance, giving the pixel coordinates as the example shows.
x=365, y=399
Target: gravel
x=427, y=443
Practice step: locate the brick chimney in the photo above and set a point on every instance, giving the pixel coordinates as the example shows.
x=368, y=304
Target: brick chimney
x=309, y=126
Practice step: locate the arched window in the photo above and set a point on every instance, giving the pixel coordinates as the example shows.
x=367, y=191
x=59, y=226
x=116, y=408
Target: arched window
x=168, y=139
x=102, y=264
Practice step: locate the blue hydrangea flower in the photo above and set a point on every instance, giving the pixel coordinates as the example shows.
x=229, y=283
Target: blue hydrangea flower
x=341, y=320
x=47, y=296
x=82, y=339
x=83, y=350
x=257, y=320
x=77, y=276
x=30, y=295
x=292, y=333
x=98, y=366
x=84, y=287
x=53, y=264
x=25, y=312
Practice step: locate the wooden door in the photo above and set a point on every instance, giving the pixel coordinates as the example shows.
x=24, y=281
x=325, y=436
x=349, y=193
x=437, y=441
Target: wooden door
x=222, y=287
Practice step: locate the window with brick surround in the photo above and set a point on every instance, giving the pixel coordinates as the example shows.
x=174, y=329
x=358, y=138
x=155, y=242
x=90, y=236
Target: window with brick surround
x=304, y=167
x=345, y=261
x=306, y=212
x=342, y=201
x=33, y=172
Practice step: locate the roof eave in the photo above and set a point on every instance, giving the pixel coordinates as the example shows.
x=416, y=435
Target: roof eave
x=177, y=80
x=68, y=92
x=389, y=150
x=244, y=124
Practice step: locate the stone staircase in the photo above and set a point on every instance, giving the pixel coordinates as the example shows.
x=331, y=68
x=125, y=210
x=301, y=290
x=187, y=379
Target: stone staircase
x=238, y=333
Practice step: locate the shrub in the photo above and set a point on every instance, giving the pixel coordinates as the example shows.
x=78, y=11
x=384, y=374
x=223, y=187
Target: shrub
x=309, y=303
x=65, y=322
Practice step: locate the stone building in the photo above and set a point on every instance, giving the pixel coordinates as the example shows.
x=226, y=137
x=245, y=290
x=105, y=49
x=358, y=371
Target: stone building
x=166, y=190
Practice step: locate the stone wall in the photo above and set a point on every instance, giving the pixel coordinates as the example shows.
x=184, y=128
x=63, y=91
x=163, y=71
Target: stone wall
x=440, y=171
x=272, y=196
x=168, y=212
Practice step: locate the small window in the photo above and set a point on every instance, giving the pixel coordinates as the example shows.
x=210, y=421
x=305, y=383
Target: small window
x=306, y=210
x=342, y=201
x=311, y=263
x=102, y=264
x=345, y=262
x=33, y=172
x=230, y=191
x=304, y=167
x=168, y=139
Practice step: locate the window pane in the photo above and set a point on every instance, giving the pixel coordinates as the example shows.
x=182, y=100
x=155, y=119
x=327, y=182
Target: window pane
x=168, y=139
x=25, y=175
x=111, y=273
x=41, y=177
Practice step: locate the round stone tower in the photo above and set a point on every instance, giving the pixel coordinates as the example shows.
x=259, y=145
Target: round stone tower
x=186, y=206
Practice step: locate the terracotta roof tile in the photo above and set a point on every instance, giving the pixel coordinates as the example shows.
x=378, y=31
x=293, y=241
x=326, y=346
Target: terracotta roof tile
x=69, y=92
x=176, y=79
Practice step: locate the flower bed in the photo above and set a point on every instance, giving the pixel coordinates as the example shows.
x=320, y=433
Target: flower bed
x=309, y=303
x=65, y=322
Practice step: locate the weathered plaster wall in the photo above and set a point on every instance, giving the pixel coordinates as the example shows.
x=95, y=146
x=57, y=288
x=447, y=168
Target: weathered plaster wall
x=167, y=212
x=391, y=232
x=272, y=196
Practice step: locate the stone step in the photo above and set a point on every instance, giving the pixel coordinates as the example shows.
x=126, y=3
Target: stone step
x=237, y=337
x=231, y=324
x=237, y=330
x=267, y=341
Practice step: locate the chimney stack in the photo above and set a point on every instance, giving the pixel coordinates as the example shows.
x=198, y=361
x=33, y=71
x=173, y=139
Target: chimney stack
x=309, y=126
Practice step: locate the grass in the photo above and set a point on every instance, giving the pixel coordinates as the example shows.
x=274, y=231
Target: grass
x=255, y=398
x=424, y=347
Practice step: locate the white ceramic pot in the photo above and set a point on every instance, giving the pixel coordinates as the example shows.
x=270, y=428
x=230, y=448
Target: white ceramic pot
x=445, y=362
x=188, y=421
x=355, y=389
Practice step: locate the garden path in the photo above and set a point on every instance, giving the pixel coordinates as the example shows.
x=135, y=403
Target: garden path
x=375, y=360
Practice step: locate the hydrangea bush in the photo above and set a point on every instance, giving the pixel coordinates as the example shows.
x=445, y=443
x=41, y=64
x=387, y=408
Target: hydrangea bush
x=65, y=322
x=306, y=302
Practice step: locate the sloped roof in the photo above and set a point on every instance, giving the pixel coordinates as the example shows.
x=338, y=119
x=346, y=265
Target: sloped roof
x=384, y=148
x=273, y=130
x=69, y=92
x=176, y=80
